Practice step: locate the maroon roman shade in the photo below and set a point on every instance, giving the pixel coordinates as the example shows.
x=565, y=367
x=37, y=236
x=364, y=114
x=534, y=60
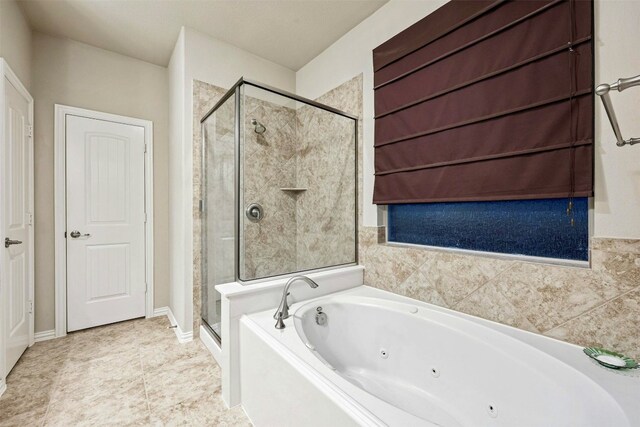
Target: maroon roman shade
x=486, y=100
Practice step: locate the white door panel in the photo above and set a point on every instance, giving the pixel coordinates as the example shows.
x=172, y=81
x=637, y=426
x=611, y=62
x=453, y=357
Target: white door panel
x=16, y=224
x=105, y=205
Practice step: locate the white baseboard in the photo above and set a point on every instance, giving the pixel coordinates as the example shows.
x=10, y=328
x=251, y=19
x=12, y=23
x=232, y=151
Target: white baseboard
x=44, y=335
x=3, y=386
x=182, y=336
x=160, y=311
x=211, y=344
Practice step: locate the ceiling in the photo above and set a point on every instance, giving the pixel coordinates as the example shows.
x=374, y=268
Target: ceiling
x=289, y=33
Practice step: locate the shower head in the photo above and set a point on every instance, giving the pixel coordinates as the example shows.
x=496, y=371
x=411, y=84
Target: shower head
x=259, y=128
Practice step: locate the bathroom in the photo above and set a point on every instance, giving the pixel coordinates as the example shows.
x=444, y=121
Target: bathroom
x=295, y=255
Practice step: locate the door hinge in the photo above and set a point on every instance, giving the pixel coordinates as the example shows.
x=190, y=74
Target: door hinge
x=145, y=148
x=30, y=218
x=201, y=205
x=145, y=217
x=30, y=131
x=65, y=234
x=30, y=307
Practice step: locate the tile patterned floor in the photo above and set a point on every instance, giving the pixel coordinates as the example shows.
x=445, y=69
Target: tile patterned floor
x=129, y=373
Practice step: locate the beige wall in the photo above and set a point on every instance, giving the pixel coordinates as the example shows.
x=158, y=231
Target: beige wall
x=617, y=169
x=76, y=74
x=15, y=40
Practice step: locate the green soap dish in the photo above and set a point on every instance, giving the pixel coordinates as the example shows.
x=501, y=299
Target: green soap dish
x=610, y=359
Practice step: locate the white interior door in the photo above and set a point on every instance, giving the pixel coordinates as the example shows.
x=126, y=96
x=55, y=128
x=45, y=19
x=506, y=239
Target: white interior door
x=16, y=184
x=105, y=222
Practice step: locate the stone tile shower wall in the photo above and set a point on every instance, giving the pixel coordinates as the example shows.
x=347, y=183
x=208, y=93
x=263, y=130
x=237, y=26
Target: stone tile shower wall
x=326, y=232
x=298, y=149
x=269, y=164
x=303, y=148
x=598, y=306
x=264, y=156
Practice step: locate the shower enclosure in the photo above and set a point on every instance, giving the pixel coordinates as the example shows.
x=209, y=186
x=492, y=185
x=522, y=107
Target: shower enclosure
x=279, y=191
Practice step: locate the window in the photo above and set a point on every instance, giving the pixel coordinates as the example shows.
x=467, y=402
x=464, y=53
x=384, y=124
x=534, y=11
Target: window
x=484, y=128
x=538, y=228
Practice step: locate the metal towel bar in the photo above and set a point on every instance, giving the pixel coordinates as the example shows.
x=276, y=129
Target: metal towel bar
x=603, y=90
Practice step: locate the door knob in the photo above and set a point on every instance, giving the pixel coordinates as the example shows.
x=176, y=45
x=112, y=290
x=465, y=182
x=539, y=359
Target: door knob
x=75, y=234
x=8, y=242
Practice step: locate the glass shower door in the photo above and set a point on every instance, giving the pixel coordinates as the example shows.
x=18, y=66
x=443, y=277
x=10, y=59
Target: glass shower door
x=218, y=244
x=297, y=185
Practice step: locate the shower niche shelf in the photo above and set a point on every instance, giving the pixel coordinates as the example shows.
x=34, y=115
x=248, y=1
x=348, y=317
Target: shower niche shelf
x=293, y=189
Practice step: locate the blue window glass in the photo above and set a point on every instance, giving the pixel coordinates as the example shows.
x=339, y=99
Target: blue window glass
x=526, y=227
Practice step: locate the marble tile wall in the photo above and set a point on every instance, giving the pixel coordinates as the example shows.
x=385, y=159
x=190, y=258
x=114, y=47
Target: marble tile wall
x=597, y=306
x=326, y=167
x=586, y=306
x=298, y=149
x=268, y=247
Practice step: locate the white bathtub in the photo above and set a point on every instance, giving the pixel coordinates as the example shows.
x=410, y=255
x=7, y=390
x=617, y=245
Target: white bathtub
x=382, y=359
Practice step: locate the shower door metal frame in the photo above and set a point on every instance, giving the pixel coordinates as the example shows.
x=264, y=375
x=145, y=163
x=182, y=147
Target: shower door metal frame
x=204, y=275
x=235, y=90
x=272, y=89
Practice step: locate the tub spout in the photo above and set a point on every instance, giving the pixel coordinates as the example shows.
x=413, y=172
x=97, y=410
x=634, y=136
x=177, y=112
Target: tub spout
x=283, y=308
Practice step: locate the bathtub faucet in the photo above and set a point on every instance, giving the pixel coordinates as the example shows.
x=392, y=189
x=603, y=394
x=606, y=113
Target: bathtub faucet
x=283, y=309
